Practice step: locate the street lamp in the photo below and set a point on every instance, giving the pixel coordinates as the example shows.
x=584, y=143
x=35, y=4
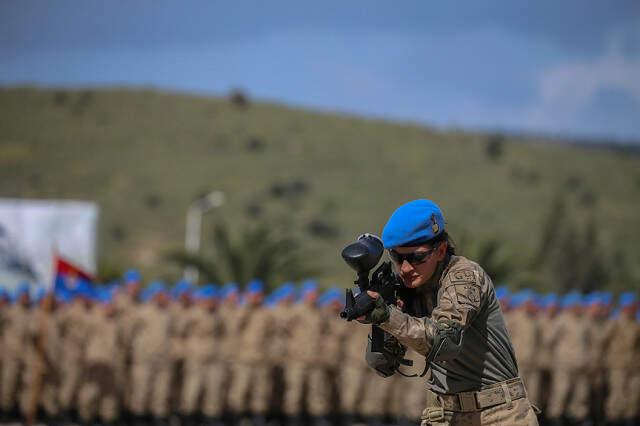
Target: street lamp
x=197, y=208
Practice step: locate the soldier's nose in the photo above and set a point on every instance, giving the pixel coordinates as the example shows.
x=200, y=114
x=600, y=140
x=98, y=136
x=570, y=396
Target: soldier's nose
x=406, y=266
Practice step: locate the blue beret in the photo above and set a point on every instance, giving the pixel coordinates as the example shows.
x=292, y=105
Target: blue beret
x=606, y=298
x=152, y=289
x=208, y=291
x=23, y=288
x=255, y=286
x=413, y=224
x=41, y=292
x=550, y=299
x=627, y=299
x=330, y=296
x=228, y=289
x=132, y=275
x=572, y=299
x=180, y=288
x=104, y=295
x=308, y=286
x=502, y=292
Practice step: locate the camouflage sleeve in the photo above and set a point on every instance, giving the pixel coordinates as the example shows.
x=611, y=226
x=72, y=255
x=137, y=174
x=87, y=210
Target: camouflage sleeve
x=439, y=337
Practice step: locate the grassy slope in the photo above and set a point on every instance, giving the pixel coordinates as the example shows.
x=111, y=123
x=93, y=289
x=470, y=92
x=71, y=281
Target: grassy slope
x=119, y=147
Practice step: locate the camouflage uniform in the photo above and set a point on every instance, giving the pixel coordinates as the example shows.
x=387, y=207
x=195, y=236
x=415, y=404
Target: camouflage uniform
x=306, y=367
x=481, y=370
x=353, y=370
x=571, y=354
x=623, y=361
x=251, y=385
x=98, y=396
x=526, y=338
x=74, y=326
x=205, y=374
x=15, y=341
x=151, y=361
x=42, y=372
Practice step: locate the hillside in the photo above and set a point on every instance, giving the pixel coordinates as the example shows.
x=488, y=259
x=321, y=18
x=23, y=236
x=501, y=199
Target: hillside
x=144, y=155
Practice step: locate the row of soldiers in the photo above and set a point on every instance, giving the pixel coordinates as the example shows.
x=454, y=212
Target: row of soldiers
x=201, y=356
x=578, y=356
x=220, y=356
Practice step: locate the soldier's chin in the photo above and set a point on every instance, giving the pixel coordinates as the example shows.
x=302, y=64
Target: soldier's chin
x=413, y=282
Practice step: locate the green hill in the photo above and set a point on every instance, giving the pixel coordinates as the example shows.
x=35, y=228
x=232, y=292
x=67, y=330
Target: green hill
x=144, y=155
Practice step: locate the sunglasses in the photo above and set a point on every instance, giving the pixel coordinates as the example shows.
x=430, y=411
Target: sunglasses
x=415, y=258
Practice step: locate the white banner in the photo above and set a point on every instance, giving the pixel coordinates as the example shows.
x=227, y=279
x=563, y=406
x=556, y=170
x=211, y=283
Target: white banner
x=31, y=231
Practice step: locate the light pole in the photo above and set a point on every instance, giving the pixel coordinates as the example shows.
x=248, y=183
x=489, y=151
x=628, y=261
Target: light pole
x=197, y=208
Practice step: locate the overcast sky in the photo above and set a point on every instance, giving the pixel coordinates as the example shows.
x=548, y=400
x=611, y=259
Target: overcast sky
x=567, y=67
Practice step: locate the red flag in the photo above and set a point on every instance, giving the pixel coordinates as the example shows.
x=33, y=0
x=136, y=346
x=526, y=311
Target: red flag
x=65, y=268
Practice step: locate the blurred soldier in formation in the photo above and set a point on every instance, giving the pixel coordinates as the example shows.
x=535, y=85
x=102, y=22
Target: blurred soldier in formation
x=251, y=385
x=525, y=332
x=282, y=301
x=103, y=379
x=409, y=391
x=204, y=372
x=127, y=303
x=180, y=308
x=15, y=341
x=598, y=312
x=305, y=369
x=353, y=372
x=623, y=363
x=234, y=317
x=74, y=330
x=42, y=371
x=571, y=347
x=547, y=317
x=151, y=359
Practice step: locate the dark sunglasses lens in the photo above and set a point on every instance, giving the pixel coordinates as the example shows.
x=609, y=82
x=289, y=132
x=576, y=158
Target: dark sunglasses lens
x=395, y=256
x=419, y=257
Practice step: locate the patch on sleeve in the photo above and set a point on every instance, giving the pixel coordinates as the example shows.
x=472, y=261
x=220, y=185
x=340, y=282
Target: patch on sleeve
x=464, y=276
x=468, y=294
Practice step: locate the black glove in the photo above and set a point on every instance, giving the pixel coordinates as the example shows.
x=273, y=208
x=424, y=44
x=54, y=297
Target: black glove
x=375, y=311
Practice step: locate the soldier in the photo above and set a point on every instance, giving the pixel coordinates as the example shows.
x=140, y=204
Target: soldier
x=103, y=378
x=453, y=318
x=526, y=337
x=571, y=353
x=409, y=391
x=234, y=317
x=285, y=316
x=5, y=301
x=622, y=362
x=42, y=372
x=598, y=312
x=353, y=373
x=127, y=304
x=251, y=385
x=151, y=360
x=180, y=308
x=204, y=372
x=547, y=316
x=15, y=341
x=332, y=303
x=305, y=369
x=74, y=331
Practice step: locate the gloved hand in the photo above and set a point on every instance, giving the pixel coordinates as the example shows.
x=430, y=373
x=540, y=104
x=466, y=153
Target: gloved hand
x=379, y=312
